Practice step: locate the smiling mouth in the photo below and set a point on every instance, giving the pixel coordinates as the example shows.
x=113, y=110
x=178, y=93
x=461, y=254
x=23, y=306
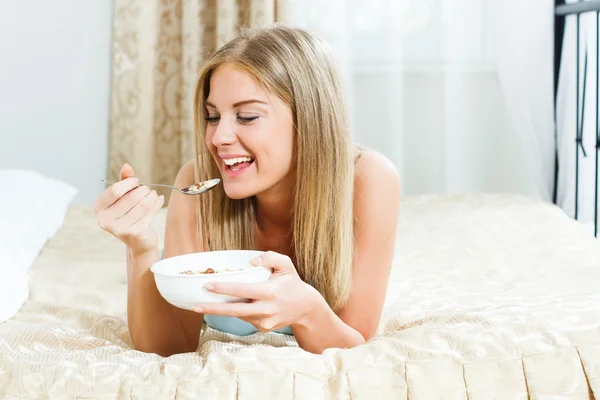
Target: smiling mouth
x=238, y=163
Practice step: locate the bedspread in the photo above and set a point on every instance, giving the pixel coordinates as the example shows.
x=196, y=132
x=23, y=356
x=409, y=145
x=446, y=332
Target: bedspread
x=490, y=296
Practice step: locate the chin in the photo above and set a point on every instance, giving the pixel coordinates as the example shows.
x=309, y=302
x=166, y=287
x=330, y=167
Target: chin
x=238, y=193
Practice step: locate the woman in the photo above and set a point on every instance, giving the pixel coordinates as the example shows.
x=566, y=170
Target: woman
x=271, y=122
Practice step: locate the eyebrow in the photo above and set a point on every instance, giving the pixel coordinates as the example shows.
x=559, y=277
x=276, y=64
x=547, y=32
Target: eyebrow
x=240, y=103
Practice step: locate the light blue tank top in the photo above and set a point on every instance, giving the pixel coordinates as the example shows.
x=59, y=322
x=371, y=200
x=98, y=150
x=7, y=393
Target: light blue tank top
x=233, y=325
x=236, y=326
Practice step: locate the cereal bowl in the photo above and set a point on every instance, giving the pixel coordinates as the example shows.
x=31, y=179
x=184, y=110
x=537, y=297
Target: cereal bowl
x=181, y=279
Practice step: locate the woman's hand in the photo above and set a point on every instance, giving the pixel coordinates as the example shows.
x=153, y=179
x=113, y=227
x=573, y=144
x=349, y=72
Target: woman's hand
x=281, y=301
x=126, y=209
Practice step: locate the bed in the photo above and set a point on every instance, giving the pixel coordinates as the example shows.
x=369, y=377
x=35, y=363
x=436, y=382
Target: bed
x=490, y=296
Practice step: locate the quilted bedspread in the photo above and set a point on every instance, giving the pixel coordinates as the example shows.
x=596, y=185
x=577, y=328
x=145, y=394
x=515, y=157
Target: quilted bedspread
x=490, y=296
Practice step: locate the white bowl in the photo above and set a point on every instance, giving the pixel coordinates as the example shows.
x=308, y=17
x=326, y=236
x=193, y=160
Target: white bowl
x=186, y=291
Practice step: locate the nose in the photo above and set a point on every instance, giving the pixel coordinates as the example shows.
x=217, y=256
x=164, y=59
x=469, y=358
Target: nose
x=224, y=134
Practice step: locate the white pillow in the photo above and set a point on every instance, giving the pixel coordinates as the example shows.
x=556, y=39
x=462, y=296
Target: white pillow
x=32, y=209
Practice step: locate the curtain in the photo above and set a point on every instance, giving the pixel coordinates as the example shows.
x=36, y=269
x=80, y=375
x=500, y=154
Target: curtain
x=525, y=57
x=158, y=48
x=457, y=93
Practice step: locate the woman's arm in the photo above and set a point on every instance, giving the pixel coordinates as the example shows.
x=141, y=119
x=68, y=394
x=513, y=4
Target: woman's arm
x=322, y=329
x=155, y=325
x=376, y=208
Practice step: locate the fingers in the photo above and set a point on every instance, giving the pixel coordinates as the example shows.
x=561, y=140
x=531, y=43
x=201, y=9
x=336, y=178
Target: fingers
x=139, y=210
x=114, y=192
x=127, y=182
x=126, y=172
x=240, y=310
x=263, y=324
x=126, y=203
x=126, y=210
x=279, y=262
x=256, y=291
x=137, y=207
x=149, y=215
x=135, y=226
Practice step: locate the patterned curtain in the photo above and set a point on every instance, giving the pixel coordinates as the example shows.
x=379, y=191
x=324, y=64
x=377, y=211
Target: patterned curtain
x=158, y=48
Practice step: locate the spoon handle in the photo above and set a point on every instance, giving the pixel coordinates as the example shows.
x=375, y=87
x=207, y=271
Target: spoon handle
x=141, y=184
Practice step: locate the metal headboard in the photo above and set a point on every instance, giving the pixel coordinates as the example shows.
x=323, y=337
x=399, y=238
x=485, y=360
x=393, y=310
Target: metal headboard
x=562, y=11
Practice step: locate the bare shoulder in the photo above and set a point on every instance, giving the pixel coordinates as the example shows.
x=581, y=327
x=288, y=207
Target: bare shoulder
x=186, y=175
x=373, y=172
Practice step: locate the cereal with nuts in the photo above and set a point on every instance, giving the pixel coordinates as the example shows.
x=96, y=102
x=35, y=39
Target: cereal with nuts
x=206, y=271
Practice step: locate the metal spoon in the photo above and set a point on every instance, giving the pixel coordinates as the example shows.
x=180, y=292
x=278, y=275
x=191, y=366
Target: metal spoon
x=196, y=188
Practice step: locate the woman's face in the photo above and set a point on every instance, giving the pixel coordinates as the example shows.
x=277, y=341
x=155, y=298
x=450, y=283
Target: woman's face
x=250, y=133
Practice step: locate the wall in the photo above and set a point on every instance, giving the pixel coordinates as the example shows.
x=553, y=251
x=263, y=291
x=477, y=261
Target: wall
x=55, y=86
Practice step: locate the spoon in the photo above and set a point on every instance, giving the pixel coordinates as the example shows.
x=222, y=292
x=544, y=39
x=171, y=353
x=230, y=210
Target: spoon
x=196, y=188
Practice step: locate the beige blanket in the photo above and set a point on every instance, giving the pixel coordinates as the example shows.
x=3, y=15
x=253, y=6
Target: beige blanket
x=491, y=296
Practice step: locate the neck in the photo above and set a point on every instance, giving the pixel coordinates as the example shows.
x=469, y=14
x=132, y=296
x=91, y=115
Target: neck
x=274, y=208
x=273, y=212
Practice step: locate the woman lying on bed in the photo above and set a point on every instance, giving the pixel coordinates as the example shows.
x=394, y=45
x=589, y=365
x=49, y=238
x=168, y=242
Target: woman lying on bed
x=271, y=123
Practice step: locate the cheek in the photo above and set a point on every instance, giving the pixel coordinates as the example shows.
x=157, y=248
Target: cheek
x=288, y=147
x=208, y=135
x=208, y=142
x=279, y=155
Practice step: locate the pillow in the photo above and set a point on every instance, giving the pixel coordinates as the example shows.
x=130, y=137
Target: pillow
x=32, y=209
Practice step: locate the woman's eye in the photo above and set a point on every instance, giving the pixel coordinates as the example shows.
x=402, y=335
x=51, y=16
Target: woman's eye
x=246, y=120
x=212, y=120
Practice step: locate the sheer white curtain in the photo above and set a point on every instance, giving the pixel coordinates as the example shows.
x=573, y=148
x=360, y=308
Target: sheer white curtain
x=437, y=87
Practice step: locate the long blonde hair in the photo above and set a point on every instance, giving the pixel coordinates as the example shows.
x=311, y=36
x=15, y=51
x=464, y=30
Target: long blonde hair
x=298, y=68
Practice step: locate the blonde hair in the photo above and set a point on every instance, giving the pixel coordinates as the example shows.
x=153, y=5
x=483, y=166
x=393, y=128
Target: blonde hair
x=297, y=68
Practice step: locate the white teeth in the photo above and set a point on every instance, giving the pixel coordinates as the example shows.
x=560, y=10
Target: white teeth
x=237, y=160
